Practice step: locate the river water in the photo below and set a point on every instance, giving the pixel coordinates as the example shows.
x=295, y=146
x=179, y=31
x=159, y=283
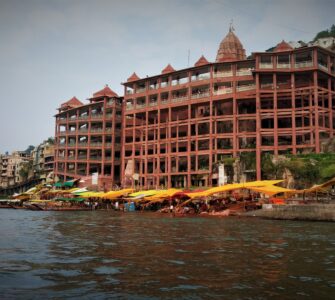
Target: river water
x=105, y=254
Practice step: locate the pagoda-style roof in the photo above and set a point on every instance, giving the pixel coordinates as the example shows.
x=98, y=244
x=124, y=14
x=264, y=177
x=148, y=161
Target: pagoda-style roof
x=201, y=61
x=133, y=77
x=168, y=69
x=231, y=48
x=72, y=103
x=282, y=46
x=105, y=92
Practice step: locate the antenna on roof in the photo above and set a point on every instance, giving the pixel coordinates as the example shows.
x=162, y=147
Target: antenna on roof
x=188, y=57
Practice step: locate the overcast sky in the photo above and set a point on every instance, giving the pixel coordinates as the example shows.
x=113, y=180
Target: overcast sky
x=53, y=50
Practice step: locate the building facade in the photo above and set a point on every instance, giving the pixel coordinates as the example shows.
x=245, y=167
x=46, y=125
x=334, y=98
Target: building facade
x=177, y=128
x=10, y=166
x=88, y=138
x=180, y=124
x=43, y=160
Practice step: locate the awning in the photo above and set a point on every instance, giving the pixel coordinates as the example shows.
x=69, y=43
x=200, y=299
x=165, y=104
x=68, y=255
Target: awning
x=271, y=190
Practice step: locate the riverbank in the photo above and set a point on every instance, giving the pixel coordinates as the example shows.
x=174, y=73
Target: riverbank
x=308, y=212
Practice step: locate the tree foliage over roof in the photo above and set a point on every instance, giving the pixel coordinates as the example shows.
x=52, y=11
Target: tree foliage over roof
x=325, y=33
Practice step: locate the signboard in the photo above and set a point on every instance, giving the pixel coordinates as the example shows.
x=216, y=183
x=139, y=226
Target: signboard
x=221, y=175
x=95, y=178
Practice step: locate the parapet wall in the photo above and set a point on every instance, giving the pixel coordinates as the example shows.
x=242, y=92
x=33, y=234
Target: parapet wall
x=308, y=212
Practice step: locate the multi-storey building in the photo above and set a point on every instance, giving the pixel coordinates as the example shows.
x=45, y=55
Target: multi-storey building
x=88, y=138
x=43, y=159
x=178, y=125
x=11, y=165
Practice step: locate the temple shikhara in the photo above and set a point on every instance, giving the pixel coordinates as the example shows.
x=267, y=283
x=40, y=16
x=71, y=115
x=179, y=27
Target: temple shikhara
x=176, y=128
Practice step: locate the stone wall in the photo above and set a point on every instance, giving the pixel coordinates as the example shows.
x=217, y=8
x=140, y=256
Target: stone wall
x=308, y=212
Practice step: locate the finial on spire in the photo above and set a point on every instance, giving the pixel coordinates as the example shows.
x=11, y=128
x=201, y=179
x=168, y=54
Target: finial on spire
x=231, y=26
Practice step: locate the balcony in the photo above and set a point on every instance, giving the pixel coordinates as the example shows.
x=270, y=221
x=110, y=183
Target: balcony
x=164, y=101
x=179, y=99
x=223, y=91
x=266, y=65
x=96, y=116
x=140, y=90
x=283, y=65
x=96, y=144
x=243, y=72
x=130, y=106
x=323, y=67
x=140, y=105
x=71, y=145
x=204, y=76
x=83, y=117
x=200, y=95
x=98, y=130
x=82, y=144
x=304, y=64
x=95, y=158
x=83, y=130
x=243, y=88
x=153, y=103
x=223, y=74
x=82, y=157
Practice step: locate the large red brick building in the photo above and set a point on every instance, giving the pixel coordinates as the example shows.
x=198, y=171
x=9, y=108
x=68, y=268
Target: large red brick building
x=178, y=125
x=88, y=138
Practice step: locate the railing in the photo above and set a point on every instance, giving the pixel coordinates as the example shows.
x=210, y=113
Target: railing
x=265, y=65
x=223, y=74
x=130, y=107
x=108, y=145
x=153, y=103
x=165, y=84
x=140, y=90
x=96, y=116
x=243, y=72
x=95, y=144
x=82, y=117
x=179, y=99
x=266, y=85
x=96, y=129
x=179, y=81
x=83, y=130
x=223, y=91
x=204, y=76
x=140, y=105
x=96, y=158
x=323, y=67
x=109, y=115
x=129, y=92
x=200, y=95
x=110, y=102
x=82, y=144
x=164, y=101
x=82, y=157
x=71, y=144
x=283, y=65
x=245, y=87
x=153, y=86
x=304, y=64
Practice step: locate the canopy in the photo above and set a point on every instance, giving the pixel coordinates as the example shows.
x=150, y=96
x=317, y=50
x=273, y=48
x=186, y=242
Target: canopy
x=233, y=186
x=162, y=195
x=317, y=188
x=116, y=194
x=270, y=190
x=142, y=194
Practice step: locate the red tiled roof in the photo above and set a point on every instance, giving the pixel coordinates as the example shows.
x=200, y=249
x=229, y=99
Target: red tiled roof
x=133, y=77
x=201, y=61
x=105, y=92
x=168, y=69
x=282, y=46
x=72, y=103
